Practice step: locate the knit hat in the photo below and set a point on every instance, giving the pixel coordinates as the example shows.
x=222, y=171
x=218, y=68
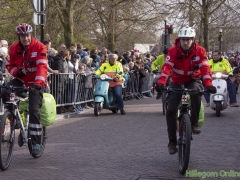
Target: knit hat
x=83, y=54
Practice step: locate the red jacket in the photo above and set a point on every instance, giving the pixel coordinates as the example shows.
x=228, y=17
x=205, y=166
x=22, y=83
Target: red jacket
x=182, y=64
x=34, y=60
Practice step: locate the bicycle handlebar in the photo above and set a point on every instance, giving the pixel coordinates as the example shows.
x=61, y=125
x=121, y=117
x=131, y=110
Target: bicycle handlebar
x=11, y=87
x=184, y=90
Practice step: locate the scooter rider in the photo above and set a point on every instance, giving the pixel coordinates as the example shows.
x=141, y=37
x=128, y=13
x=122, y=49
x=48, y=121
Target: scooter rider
x=159, y=63
x=111, y=69
x=220, y=64
x=182, y=60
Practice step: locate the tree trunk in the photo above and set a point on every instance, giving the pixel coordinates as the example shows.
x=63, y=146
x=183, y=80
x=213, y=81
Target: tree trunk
x=205, y=20
x=111, y=34
x=200, y=41
x=190, y=12
x=68, y=25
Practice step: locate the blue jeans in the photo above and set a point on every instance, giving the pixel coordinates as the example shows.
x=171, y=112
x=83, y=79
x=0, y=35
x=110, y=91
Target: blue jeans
x=117, y=92
x=231, y=91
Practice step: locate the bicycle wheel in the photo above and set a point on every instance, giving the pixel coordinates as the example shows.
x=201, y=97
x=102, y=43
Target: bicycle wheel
x=164, y=104
x=42, y=144
x=7, y=124
x=184, y=143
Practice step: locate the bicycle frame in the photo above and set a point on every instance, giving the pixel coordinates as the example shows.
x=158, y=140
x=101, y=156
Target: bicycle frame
x=14, y=100
x=184, y=108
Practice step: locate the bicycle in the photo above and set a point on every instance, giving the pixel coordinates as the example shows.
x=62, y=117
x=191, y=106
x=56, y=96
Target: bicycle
x=184, y=126
x=11, y=120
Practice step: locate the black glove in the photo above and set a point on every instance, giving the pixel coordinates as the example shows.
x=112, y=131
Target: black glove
x=212, y=89
x=20, y=73
x=115, y=79
x=155, y=71
x=35, y=86
x=159, y=87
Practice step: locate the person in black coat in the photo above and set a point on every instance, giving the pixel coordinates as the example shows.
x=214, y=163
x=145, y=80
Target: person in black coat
x=60, y=63
x=142, y=75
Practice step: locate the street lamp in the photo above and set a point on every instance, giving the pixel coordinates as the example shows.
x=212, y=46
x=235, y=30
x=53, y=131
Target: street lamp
x=220, y=39
x=165, y=15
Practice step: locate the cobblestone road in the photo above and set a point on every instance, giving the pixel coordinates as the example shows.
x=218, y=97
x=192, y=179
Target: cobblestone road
x=130, y=147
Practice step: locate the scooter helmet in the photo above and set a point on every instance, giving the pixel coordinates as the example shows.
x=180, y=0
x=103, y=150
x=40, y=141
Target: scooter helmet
x=187, y=32
x=23, y=29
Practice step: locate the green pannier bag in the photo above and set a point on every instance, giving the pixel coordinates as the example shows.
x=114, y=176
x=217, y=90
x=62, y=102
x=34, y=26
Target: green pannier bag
x=47, y=111
x=201, y=113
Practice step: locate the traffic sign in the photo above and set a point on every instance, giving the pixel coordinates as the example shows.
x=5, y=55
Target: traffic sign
x=39, y=19
x=39, y=5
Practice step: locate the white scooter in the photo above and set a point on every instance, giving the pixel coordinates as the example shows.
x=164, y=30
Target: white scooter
x=219, y=100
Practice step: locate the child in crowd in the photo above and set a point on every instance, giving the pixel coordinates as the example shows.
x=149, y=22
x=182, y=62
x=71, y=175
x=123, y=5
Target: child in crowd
x=88, y=79
x=142, y=75
x=125, y=82
x=80, y=85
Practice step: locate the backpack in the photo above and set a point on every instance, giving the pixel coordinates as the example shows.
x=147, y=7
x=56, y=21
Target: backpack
x=47, y=111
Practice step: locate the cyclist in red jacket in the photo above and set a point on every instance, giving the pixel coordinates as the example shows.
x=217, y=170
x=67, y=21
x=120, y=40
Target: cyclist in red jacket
x=28, y=64
x=188, y=62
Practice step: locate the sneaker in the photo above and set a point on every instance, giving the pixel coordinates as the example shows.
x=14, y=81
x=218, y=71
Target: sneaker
x=86, y=107
x=122, y=111
x=234, y=104
x=59, y=111
x=159, y=95
x=208, y=104
x=36, y=149
x=71, y=109
x=172, y=147
x=129, y=98
x=65, y=110
x=79, y=107
x=91, y=105
x=196, y=129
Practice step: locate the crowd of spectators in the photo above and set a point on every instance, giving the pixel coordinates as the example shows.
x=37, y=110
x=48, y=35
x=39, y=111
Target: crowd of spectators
x=83, y=62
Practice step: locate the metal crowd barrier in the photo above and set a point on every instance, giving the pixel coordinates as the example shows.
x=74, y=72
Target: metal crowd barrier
x=69, y=89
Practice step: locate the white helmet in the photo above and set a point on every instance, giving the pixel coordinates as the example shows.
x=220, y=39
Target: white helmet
x=187, y=32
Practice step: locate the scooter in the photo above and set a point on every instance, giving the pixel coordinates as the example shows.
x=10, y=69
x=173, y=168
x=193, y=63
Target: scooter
x=103, y=95
x=219, y=100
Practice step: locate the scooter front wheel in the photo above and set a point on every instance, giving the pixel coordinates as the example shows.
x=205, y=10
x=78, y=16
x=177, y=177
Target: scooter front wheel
x=218, y=109
x=97, y=108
